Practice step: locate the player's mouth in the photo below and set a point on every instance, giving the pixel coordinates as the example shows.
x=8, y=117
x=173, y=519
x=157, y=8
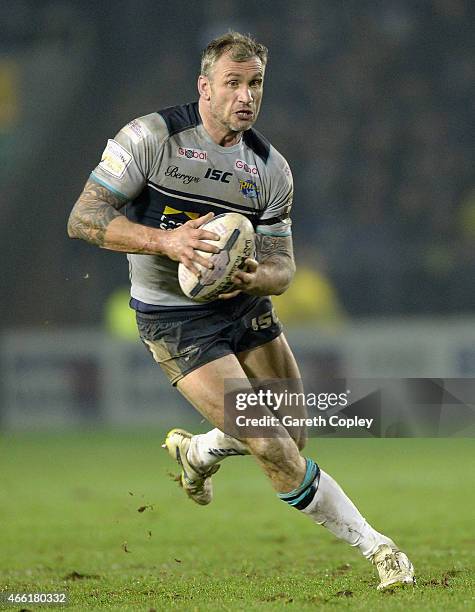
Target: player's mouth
x=245, y=115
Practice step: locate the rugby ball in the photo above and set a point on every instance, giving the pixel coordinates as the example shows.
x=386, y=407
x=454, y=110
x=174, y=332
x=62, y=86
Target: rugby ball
x=236, y=244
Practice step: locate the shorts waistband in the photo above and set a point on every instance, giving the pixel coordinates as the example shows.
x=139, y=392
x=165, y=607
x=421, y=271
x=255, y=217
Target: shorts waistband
x=210, y=307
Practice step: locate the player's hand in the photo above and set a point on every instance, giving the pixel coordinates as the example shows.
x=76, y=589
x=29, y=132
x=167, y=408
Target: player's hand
x=183, y=243
x=244, y=281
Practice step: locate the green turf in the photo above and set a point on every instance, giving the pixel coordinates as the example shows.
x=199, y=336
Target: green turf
x=69, y=520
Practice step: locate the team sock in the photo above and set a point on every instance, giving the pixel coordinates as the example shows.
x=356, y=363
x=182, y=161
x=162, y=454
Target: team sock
x=319, y=496
x=301, y=497
x=210, y=448
x=325, y=502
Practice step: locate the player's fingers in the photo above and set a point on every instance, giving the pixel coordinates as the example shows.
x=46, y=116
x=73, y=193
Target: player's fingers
x=194, y=258
x=204, y=261
x=205, y=235
x=201, y=220
x=186, y=261
x=204, y=246
x=228, y=296
x=242, y=278
x=251, y=264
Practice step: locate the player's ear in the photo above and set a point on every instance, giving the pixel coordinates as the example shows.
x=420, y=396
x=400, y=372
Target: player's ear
x=204, y=87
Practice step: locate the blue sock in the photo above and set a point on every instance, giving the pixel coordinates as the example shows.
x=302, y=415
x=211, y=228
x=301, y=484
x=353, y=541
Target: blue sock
x=301, y=496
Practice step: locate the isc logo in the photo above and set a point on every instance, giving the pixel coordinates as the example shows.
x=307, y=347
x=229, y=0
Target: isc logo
x=264, y=321
x=218, y=175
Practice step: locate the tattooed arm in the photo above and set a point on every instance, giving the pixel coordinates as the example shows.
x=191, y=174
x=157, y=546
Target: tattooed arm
x=92, y=214
x=275, y=255
x=96, y=218
x=273, y=271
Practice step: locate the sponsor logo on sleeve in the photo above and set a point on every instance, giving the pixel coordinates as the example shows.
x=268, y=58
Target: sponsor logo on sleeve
x=249, y=189
x=136, y=131
x=244, y=167
x=194, y=154
x=115, y=159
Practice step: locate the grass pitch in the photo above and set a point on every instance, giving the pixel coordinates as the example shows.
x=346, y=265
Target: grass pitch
x=97, y=515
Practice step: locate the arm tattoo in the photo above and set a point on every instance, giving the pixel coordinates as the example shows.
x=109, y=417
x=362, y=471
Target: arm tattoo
x=276, y=257
x=92, y=213
x=276, y=249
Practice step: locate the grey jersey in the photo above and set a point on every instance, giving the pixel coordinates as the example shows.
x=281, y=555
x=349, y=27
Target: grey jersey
x=170, y=171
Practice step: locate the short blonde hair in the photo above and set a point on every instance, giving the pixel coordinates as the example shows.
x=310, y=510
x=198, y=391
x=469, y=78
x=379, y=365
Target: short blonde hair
x=242, y=48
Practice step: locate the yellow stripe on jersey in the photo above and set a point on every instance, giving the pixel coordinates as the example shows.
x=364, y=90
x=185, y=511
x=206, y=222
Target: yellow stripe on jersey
x=173, y=211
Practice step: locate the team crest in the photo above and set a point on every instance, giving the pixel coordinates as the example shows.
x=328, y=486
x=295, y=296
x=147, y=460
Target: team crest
x=249, y=189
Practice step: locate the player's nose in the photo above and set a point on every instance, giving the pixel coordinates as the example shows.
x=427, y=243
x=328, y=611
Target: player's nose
x=245, y=95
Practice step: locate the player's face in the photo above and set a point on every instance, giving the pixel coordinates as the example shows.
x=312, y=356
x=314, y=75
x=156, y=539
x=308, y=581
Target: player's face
x=235, y=90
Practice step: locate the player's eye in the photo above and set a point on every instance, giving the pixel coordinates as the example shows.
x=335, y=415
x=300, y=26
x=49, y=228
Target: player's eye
x=233, y=83
x=256, y=83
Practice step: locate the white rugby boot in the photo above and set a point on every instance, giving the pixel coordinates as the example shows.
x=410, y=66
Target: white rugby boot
x=394, y=568
x=196, y=484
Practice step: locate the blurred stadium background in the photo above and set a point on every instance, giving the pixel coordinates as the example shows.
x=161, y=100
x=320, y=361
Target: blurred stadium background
x=371, y=102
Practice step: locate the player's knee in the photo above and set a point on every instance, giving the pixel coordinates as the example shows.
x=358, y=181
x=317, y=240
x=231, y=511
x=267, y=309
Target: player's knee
x=299, y=436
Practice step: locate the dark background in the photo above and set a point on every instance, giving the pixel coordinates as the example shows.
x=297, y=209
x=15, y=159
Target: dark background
x=372, y=103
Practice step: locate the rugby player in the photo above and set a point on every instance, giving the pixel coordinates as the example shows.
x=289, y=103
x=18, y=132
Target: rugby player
x=159, y=180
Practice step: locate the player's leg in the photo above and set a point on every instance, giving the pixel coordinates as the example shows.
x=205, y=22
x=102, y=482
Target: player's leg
x=323, y=500
x=297, y=481
x=200, y=387
x=208, y=449
x=204, y=451
x=264, y=354
x=274, y=361
x=204, y=389
x=270, y=361
x=330, y=506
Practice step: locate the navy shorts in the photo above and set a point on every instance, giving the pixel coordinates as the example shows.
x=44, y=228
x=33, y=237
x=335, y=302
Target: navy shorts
x=183, y=339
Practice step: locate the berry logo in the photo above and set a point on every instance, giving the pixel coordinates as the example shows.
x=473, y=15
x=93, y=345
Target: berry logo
x=249, y=189
x=195, y=154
